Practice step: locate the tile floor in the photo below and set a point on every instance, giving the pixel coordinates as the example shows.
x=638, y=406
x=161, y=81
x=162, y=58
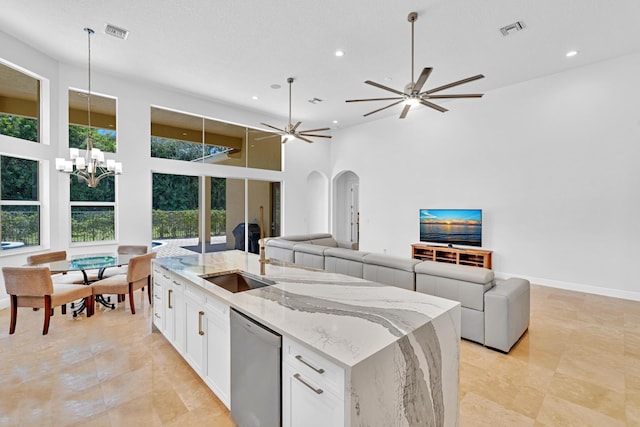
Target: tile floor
x=578, y=365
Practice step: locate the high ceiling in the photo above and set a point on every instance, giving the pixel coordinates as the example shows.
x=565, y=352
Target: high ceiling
x=234, y=50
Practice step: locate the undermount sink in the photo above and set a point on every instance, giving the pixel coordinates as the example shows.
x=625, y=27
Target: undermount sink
x=237, y=281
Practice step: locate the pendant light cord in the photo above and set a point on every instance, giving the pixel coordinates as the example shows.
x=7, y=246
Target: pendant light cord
x=89, y=32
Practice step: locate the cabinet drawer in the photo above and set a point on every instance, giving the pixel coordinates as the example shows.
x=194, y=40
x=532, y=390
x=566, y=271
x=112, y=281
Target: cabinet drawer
x=157, y=305
x=161, y=276
x=323, y=372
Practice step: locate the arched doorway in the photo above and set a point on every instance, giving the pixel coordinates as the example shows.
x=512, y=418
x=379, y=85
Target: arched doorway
x=346, y=206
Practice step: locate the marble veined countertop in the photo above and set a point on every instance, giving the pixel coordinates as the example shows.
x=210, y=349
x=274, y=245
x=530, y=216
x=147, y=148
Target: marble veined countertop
x=345, y=318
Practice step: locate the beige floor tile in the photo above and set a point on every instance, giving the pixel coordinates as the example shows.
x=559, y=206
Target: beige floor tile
x=559, y=412
x=577, y=365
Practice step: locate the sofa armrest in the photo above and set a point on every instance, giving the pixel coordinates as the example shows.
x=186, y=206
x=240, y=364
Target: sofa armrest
x=347, y=244
x=506, y=313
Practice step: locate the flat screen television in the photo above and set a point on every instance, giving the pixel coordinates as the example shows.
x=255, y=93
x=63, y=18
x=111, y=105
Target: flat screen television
x=451, y=226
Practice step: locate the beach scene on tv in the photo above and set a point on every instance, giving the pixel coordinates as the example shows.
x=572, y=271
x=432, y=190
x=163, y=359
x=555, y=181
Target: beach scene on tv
x=451, y=226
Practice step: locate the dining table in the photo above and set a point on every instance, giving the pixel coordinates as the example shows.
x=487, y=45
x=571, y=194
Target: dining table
x=88, y=263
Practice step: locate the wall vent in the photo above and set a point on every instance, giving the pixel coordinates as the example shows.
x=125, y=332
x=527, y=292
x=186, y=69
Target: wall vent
x=511, y=28
x=114, y=31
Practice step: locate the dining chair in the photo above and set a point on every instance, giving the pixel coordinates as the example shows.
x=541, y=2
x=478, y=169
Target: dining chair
x=138, y=276
x=75, y=277
x=124, y=250
x=33, y=287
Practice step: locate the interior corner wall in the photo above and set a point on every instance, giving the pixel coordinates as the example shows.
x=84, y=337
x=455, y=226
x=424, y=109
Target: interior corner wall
x=552, y=162
x=300, y=159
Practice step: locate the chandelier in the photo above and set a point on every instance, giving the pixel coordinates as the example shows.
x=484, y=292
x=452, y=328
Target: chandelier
x=92, y=168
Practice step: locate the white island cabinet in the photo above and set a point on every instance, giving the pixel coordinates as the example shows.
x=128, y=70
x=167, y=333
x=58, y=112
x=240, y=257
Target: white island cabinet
x=354, y=352
x=312, y=388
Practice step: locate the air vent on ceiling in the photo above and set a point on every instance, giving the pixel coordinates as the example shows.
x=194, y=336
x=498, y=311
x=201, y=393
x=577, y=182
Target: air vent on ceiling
x=511, y=28
x=114, y=31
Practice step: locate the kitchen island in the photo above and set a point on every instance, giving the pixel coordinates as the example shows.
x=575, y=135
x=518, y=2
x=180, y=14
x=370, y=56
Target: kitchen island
x=389, y=357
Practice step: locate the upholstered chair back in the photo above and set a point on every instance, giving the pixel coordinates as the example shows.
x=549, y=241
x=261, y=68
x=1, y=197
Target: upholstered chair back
x=132, y=249
x=140, y=267
x=27, y=281
x=48, y=257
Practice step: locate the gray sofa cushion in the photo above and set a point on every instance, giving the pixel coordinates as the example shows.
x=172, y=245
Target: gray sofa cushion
x=469, y=294
x=453, y=271
x=390, y=270
x=406, y=264
x=305, y=237
x=344, y=261
x=309, y=255
x=507, y=308
x=345, y=254
x=325, y=241
x=279, y=243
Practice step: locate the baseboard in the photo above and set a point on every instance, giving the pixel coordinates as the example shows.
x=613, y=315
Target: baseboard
x=577, y=287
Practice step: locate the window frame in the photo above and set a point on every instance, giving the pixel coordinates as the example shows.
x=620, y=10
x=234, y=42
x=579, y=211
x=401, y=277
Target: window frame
x=40, y=204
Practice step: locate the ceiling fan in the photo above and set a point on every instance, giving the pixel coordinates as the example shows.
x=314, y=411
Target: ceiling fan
x=411, y=94
x=290, y=131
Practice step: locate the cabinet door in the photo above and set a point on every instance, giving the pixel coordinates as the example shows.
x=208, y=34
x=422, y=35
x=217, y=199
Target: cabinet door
x=194, y=336
x=169, y=330
x=218, y=353
x=307, y=404
x=179, y=319
x=158, y=308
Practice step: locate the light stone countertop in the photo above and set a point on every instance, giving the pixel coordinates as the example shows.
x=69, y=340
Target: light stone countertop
x=345, y=318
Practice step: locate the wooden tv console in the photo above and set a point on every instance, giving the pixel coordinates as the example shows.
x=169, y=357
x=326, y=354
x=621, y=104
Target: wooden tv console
x=473, y=257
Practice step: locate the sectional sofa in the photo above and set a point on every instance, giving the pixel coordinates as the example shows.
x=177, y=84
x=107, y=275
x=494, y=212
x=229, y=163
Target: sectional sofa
x=495, y=312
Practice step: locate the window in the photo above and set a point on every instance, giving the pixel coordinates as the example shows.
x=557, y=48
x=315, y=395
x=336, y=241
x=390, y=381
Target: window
x=181, y=136
x=19, y=203
x=19, y=104
x=93, y=216
x=103, y=121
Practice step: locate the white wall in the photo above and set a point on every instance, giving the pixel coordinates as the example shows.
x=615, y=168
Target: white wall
x=553, y=163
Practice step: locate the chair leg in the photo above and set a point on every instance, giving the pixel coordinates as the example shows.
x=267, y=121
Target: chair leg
x=149, y=288
x=131, y=302
x=47, y=314
x=14, y=313
x=64, y=308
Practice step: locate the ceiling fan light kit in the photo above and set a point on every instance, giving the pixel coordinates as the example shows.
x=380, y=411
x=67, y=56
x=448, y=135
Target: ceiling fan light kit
x=411, y=94
x=290, y=132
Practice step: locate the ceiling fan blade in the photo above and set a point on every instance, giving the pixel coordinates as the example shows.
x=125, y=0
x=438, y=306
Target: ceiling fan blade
x=378, y=85
x=266, y=137
x=314, y=130
x=426, y=72
x=463, y=95
x=383, y=108
x=272, y=127
x=447, y=86
x=304, y=139
x=375, y=99
x=405, y=110
x=434, y=106
x=314, y=135
x=293, y=129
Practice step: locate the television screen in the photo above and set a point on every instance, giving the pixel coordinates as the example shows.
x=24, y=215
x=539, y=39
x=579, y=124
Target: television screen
x=451, y=226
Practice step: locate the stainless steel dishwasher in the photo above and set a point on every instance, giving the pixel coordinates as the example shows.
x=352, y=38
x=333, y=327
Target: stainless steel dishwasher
x=255, y=373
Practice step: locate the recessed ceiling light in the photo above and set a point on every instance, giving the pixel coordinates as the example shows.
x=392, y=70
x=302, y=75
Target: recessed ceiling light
x=255, y=98
x=335, y=122
x=572, y=53
x=339, y=53
x=275, y=86
x=387, y=79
